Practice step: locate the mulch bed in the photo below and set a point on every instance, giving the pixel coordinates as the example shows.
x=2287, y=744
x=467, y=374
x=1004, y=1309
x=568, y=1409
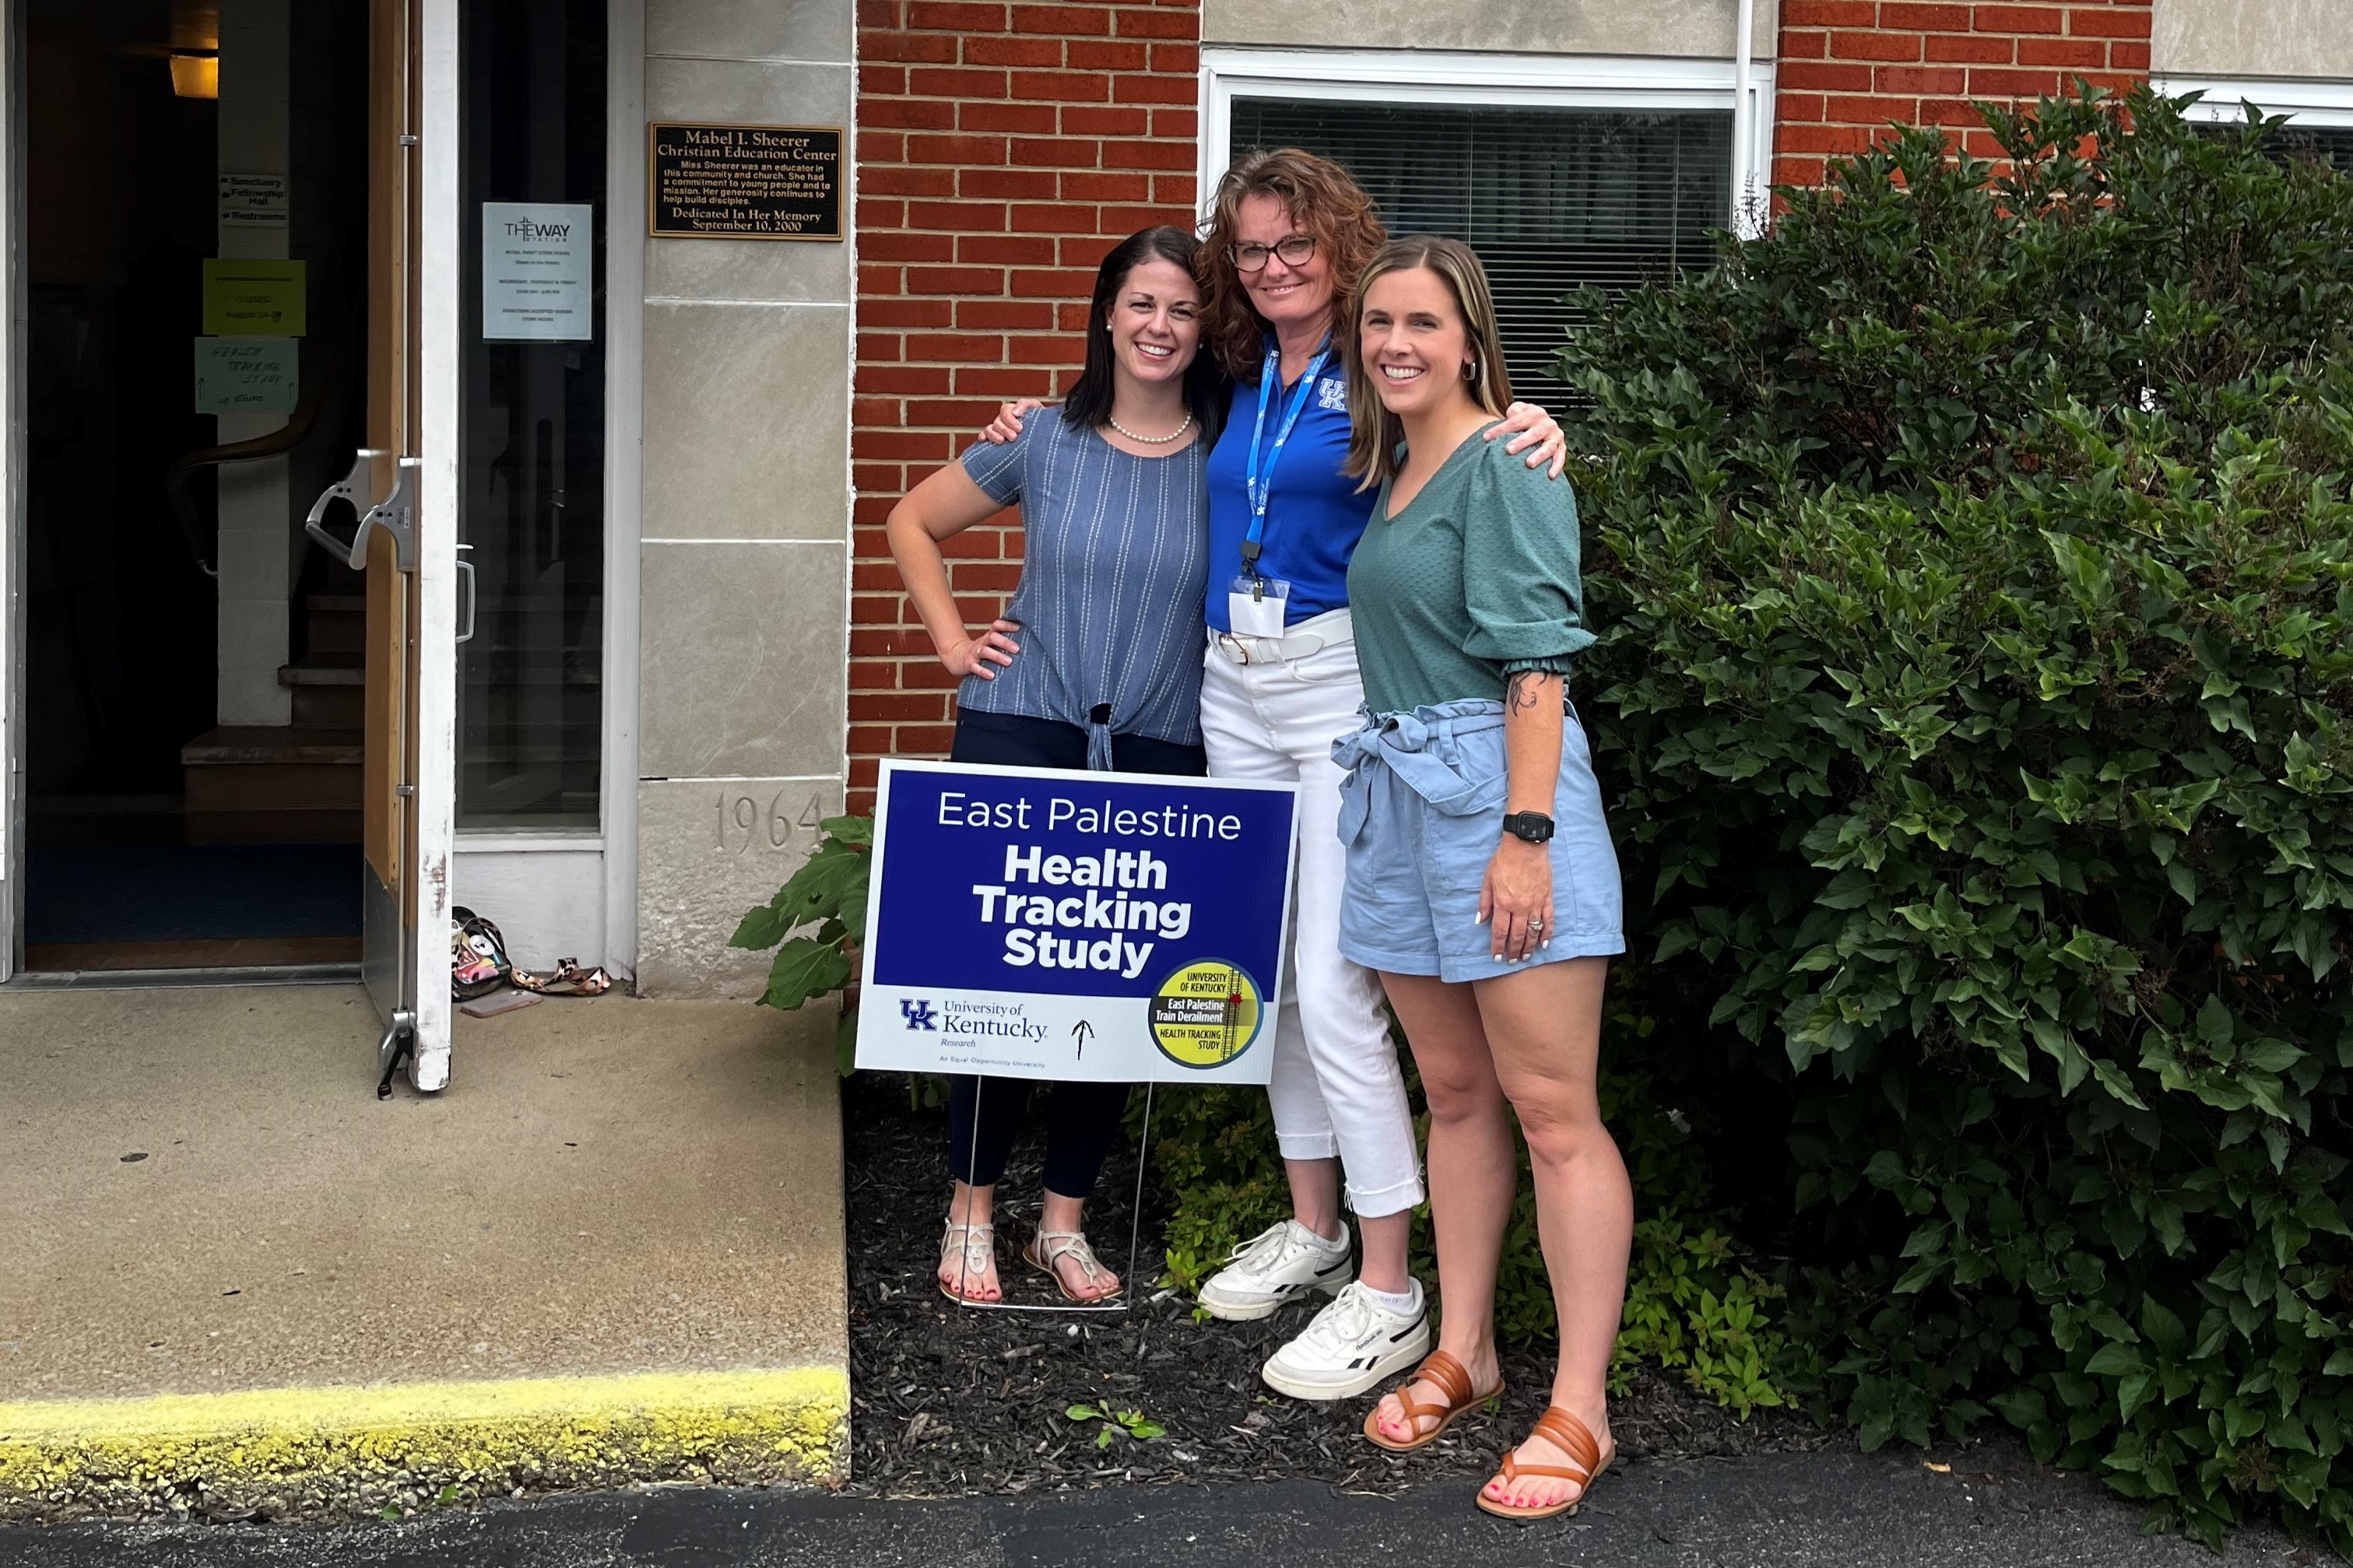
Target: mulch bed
x=949, y=1401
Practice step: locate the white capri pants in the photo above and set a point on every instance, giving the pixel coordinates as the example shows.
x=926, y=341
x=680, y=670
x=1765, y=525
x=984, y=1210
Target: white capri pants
x=1337, y=1088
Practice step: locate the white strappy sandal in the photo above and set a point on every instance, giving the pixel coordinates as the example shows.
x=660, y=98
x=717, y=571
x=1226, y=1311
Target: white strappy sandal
x=1051, y=1247
x=978, y=1244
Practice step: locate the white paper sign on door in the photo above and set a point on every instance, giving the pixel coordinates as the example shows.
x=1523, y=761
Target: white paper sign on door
x=252, y=201
x=538, y=271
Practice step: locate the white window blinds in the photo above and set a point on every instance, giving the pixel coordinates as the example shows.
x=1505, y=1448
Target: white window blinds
x=1551, y=198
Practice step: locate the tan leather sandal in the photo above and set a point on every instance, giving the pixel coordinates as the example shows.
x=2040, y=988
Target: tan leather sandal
x=1571, y=1436
x=1051, y=1247
x=1454, y=1383
x=978, y=1244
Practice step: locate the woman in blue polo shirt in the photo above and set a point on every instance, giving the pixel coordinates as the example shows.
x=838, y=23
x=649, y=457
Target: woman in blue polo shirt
x=1287, y=234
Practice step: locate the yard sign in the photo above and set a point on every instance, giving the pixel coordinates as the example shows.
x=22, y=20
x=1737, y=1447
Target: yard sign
x=1027, y=923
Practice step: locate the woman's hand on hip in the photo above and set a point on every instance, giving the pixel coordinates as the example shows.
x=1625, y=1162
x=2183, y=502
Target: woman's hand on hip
x=1006, y=425
x=1532, y=431
x=1515, y=901
x=984, y=654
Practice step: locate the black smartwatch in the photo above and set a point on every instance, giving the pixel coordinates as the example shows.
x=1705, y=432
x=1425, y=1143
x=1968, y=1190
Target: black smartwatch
x=1531, y=825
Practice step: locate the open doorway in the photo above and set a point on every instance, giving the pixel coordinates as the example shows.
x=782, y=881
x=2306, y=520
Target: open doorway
x=197, y=283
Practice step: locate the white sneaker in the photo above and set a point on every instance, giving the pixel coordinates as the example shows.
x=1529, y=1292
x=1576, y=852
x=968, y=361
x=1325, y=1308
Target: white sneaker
x=1279, y=1263
x=1354, y=1344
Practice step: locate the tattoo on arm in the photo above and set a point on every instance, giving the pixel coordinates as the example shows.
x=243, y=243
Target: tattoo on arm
x=1527, y=689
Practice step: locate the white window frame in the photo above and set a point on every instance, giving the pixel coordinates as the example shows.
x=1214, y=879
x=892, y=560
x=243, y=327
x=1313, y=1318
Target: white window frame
x=2313, y=102
x=1497, y=81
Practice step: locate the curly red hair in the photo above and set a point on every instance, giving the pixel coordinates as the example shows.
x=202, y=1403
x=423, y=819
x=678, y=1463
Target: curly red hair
x=1323, y=198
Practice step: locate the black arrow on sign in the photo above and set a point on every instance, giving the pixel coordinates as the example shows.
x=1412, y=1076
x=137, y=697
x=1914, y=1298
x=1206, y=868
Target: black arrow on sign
x=1079, y=1031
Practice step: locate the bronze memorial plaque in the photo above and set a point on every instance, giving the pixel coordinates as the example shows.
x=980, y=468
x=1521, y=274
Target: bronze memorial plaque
x=744, y=181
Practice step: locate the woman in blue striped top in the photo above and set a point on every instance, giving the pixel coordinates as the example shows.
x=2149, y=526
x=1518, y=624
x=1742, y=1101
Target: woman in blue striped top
x=1095, y=664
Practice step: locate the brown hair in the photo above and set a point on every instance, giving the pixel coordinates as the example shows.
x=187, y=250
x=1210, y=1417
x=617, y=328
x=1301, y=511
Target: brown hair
x=1323, y=199
x=1375, y=433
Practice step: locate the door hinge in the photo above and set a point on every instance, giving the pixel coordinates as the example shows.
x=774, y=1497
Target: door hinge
x=407, y=139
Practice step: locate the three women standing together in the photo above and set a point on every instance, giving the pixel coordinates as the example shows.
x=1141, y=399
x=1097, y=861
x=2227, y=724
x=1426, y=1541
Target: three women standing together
x=1451, y=848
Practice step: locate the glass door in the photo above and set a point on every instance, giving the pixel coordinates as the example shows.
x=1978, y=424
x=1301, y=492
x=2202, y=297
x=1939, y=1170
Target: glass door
x=404, y=483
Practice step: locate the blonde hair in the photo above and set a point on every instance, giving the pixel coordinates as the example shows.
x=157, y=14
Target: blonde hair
x=1375, y=433
x=1321, y=197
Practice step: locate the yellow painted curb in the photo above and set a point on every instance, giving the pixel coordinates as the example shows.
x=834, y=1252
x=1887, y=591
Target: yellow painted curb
x=309, y=1451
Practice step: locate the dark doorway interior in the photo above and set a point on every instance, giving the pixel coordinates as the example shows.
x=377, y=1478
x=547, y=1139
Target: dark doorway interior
x=161, y=837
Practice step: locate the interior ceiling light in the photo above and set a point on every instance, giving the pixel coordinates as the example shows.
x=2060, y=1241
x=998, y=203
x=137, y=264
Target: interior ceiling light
x=196, y=76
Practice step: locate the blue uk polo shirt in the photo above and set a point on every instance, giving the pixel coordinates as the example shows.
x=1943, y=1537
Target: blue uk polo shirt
x=1315, y=513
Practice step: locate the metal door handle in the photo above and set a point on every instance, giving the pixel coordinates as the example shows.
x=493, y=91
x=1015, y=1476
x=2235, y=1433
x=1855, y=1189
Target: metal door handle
x=352, y=487
x=466, y=580
x=396, y=515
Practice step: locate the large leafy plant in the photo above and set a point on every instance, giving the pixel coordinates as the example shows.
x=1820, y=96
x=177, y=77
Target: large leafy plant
x=828, y=893
x=1976, y=562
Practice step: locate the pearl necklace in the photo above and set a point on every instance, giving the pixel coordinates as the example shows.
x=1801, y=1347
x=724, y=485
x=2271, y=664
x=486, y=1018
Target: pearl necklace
x=1151, y=441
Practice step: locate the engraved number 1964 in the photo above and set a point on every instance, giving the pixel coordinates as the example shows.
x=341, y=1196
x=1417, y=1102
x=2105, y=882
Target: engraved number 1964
x=745, y=823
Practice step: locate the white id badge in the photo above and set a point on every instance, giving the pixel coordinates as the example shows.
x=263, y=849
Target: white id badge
x=1254, y=605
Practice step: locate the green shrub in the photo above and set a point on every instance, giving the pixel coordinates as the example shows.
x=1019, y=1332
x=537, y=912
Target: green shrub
x=1975, y=567
x=1213, y=1151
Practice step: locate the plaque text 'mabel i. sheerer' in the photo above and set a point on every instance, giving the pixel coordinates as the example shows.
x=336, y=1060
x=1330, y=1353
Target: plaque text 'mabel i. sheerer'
x=746, y=181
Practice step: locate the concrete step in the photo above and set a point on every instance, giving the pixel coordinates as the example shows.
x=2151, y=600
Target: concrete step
x=337, y=623
x=611, y=1252
x=330, y=690
x=298, y=784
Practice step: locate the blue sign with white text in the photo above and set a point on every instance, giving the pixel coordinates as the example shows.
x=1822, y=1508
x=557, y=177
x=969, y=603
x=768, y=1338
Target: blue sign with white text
x=1034, y=924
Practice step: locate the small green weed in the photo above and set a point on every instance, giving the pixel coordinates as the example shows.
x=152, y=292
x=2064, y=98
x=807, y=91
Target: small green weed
x=1132, y=1423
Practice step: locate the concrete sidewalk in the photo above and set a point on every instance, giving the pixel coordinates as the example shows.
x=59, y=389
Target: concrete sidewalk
x=611, y=1250
x=1785, y=1510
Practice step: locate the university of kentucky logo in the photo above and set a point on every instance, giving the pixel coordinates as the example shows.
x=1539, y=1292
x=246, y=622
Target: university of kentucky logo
x=1332, y=393
x=918, y=1015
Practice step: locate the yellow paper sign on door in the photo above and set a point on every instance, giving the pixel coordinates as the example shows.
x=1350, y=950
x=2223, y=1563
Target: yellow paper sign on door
x=246, y=299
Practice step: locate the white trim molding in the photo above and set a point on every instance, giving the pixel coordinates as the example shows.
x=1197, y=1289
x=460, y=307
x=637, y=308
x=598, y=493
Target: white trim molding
x=2310, y=102
x=625, y=314
x=1505, y=80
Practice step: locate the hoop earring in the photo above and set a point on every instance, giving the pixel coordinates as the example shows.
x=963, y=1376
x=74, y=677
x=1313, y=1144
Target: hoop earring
x=1471, y=370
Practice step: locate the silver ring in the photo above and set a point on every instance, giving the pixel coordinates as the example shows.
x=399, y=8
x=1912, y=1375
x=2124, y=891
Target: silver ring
x=1535, y=923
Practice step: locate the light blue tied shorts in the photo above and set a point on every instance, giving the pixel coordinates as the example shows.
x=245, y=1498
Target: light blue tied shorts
x=1422, y=812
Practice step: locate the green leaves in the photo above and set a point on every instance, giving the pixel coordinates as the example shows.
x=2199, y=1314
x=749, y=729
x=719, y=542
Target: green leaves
x=1974, y=567
x=828, y=890
x=1116, y=1423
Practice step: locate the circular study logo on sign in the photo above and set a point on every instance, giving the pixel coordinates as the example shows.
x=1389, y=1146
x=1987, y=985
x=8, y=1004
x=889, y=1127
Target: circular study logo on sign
x=1205, y=1014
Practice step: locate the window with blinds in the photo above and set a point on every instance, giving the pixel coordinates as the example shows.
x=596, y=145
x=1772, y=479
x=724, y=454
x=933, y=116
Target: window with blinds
x=1552, y=199
x=2331, y=144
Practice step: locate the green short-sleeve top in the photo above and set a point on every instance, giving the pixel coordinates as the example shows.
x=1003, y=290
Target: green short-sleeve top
x=1474, y=581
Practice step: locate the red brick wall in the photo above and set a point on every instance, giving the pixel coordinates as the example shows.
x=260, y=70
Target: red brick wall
x=1848, y=66
x=1002, y=148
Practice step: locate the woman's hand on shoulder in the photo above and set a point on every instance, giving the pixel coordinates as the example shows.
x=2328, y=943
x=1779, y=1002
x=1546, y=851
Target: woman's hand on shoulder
x=1535, y=432
x=985, y=655
x=1006, y=425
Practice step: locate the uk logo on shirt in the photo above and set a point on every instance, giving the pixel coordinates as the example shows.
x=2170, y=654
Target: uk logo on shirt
x=1332, y=394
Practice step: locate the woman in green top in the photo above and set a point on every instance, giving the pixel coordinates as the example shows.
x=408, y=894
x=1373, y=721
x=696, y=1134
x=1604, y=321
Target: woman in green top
x=1480, y=879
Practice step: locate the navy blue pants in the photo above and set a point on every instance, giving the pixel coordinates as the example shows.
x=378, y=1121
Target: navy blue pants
x=983, y=1113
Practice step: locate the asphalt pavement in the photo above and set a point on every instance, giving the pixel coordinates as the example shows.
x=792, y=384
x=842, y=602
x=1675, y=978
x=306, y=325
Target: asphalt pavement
x=1788, y=1510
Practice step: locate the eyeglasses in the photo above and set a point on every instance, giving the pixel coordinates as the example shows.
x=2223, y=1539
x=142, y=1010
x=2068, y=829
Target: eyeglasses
x=1295, y=248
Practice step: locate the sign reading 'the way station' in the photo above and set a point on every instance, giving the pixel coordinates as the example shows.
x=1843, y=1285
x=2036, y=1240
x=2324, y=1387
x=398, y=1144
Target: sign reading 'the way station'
x=1118, y=927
